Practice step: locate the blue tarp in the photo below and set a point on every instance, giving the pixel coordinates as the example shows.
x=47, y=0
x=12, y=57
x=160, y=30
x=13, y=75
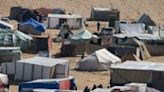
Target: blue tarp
x=36, y=25
x=45, y=84
x=50, y=85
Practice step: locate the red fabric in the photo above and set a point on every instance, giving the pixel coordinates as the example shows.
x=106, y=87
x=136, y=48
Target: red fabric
x=65, y=85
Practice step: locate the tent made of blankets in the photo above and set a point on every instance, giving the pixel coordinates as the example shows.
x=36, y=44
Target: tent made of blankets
x=37, y=68
x=100, y=60
x=61, y=84
x=10, y=37
x=150, y=73
x=5, y=25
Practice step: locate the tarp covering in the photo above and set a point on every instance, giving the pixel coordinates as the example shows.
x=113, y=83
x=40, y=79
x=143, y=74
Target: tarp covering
x=5, y=25
x=98, y=61
x=10, y=37
x=150, y=73
x=56, y=21
x=132, y=28
x=62, y=84
x=83, y=35
x=146, y=19
x=104, y=56
x=133, y=65
x=36, y=25
x=37, y=68
x=139, y=36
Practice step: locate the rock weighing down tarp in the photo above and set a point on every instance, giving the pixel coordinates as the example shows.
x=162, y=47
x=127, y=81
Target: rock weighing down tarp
x=37, y=68
x=100, y=60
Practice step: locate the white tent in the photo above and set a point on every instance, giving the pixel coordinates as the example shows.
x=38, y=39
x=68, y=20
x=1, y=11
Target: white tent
x=138, y=28
x=140, y=72
x=74, y=21
x=98, y=61
x=37, y=68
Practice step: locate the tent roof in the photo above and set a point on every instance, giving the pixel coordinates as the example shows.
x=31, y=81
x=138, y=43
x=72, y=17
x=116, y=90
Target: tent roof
x=44, y=61
x=104, y=56
x=146, y=19
x=36, y=25
x=9, y=48
x=139, y=36
x=101, y=9
x=132, y=28
x=143, y=65
x=64, y=16
x=83, y=35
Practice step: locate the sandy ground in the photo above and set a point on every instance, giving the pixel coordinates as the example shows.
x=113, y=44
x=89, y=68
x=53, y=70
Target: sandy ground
x=82, y=78
x=129, y=9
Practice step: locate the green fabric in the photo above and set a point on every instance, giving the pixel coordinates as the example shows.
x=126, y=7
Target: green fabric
x=83, y=35
x=9, y=37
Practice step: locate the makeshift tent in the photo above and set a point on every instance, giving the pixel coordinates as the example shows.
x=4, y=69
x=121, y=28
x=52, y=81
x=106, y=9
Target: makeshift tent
x=10, y=54
x=39, y=43
x=35, y=24
x=21, y=14
x=45, y=11
x=146, y=19
x=27, y=29
x=132, y=87
x=56, y=21
x=138, y=28
x=140, y=72
x=5, y=25
x=61, y=84
x=104, y=14
x=100, y=60
x=82, y=37
x=37, y=68
x=10, y=37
